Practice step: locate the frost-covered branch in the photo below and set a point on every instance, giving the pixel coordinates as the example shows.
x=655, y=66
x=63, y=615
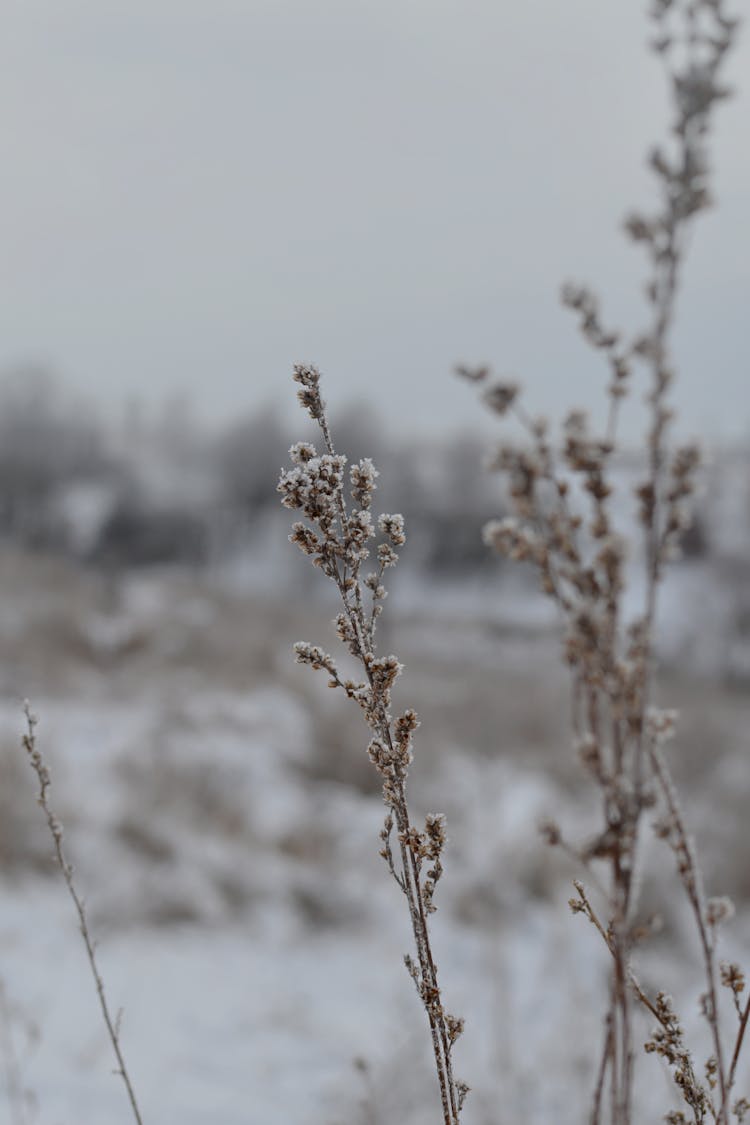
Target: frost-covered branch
x=111, y=1022
x=339, y=534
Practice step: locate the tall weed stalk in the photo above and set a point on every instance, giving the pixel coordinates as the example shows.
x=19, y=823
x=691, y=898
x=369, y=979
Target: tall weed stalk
x=339, y=535
x=564, y=524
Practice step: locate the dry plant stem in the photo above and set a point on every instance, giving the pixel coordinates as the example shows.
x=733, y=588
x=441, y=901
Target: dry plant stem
x=11, y=1070
x=409, y=880
x=55, y=828
x=690, y=875
x=680, y=206
x=602, y=1074
x=738, y=1046
x=584, y=906
x=339, y=546
x=580, y=559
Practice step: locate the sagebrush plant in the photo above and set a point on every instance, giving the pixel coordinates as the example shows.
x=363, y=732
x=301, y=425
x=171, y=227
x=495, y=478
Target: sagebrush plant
x=339, y=537
x=564, y=524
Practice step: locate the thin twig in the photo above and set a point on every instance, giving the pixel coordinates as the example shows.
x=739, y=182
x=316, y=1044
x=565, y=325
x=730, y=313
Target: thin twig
x=691, y=881
x=55, y=828
x=605, y=1061
x=738, y=1046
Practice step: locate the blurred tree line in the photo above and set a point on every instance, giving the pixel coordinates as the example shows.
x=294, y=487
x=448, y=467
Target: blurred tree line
x=160, y=488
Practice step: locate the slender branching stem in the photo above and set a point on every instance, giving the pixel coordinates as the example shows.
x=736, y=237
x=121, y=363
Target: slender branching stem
x=738, y=1046
x=111, y=1023
x=564, y=524
x=337, y=535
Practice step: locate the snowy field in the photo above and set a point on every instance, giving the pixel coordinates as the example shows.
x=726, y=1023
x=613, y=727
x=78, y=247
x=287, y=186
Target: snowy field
x=223, y=821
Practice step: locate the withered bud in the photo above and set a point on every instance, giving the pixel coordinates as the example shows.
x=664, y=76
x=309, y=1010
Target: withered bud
x=550, y=832
x=379, y=755
x=384, y=671
x=435, y=836
x=454, y=1026
x=732, y=977
x=661, y=724
x=362, y=477
x=639, y=228
x=501, y=396
x=302, y=451
x=406, y=724
x=393, y=527
x=579, y=298
x=315, y=657
x=386, y=555
x=719, y=910
x=311, y=401
x=305, y=539
x=307, y=374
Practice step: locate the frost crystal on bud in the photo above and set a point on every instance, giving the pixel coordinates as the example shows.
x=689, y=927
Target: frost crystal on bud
x=306, y=653
x=393, y=527
x=301, y=452
x=307, y=374
x=384, y=671
x=386, y=555
x=362, y=476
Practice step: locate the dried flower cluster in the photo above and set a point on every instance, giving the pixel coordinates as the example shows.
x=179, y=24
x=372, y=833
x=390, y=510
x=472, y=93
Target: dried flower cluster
x=563, y=525
x=339, y=535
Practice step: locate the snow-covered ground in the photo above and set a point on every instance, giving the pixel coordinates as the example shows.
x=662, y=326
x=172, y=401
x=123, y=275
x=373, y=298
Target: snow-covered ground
x=223, y=822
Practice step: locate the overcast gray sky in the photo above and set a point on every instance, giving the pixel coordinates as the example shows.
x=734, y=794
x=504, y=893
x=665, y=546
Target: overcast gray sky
x=197, y=194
